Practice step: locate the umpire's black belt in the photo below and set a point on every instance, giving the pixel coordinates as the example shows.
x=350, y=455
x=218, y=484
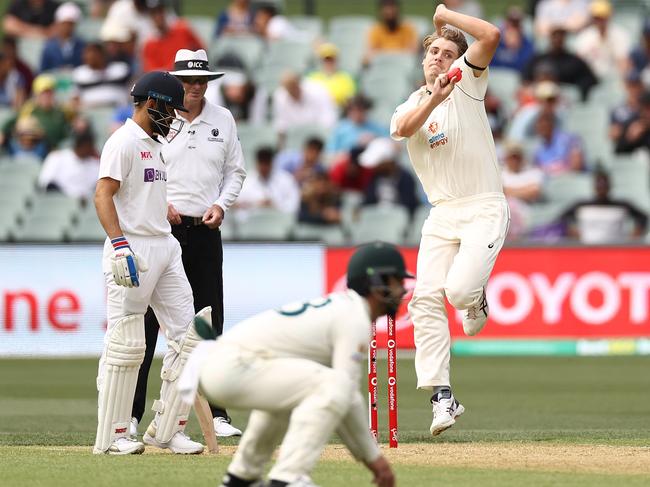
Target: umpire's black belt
x=191, y=221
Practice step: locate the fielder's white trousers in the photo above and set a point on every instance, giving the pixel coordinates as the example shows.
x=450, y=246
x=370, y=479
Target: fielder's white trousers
x=164, y=287
x=295, y=398
x=460, y=243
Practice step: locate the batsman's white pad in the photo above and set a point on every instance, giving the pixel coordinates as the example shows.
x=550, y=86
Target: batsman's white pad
x=124, y=354
x=172, y=411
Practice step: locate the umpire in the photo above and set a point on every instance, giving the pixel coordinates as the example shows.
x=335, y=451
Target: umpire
x=205, y=169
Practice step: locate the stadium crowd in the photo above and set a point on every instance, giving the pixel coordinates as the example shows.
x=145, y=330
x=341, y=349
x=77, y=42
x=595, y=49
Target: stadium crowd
x=568, y=104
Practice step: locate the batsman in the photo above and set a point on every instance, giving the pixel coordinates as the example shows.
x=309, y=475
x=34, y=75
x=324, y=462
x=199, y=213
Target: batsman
x=142, y=266
x=452, y=151
x=298, y=369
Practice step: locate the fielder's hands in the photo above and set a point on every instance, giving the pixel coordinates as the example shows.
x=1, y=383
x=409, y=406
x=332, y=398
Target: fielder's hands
x=213, y=217
x=384, y=476
x=125, y=264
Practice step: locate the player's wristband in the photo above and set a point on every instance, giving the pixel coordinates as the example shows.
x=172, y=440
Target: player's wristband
x=119, y=243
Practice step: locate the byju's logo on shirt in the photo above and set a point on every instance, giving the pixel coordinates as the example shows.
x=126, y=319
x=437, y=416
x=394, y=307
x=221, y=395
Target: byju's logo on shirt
x=151, y=175
x=436, y=139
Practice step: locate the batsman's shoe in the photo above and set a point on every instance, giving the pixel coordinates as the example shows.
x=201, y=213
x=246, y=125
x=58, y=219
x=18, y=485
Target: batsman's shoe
x=476, y=317
x=223, y=428
x=133, y=428
x=445, y=411
x=180, y=442
x=123, y=446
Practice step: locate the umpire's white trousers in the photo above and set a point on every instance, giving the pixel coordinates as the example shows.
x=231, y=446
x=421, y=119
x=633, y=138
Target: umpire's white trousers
x=460, y=243
x=295, y=398
x=164, y=287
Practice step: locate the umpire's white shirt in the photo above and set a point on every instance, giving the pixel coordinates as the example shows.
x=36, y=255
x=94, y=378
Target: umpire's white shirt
x=453, y=153
x=133, y=158
x=205, y=162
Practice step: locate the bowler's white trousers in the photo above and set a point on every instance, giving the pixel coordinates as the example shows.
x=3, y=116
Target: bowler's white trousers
x=164, y=287
x=460, y=243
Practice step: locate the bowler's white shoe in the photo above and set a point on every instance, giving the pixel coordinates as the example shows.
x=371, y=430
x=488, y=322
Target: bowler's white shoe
x=445, y=411
x=180, y=442
x=224, y=429
x=133, y=428
x=122, y=446
x=476, y=316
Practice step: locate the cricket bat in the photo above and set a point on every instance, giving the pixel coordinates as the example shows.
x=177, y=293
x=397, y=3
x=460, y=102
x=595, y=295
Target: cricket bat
x=204, y=415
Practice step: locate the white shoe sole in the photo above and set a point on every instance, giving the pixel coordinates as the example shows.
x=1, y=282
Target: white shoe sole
x=436, y=429
x=439, y=428
x=228, y=435
x=149, y=440
x=138, y=450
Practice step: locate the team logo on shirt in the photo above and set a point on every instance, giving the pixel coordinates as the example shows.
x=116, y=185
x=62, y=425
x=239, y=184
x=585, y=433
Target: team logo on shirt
x=215, y=136
x=436, y=139
x=151, y=175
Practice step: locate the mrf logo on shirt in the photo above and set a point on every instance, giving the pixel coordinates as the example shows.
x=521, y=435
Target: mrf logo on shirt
x=151, y=175
x=436, y=139
x=145, y=155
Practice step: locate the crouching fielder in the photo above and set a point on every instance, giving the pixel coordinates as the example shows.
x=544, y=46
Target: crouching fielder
x=452, y=151
x=132, y=206
x=298, y=369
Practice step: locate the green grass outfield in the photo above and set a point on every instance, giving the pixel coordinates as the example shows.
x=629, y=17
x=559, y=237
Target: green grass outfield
x=529, y=421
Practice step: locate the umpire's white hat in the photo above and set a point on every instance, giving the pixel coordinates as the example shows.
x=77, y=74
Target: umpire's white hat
x=193, y=63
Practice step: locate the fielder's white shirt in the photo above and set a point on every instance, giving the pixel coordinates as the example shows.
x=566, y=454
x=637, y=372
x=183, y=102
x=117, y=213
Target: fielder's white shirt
x=333, y=331
x=133, y=158
x=205, y=163
x=74, y=176
x=453, y=153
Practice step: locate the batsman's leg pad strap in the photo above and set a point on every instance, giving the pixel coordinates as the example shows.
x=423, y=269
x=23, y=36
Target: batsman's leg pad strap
x=122, y=359
x=172, y=412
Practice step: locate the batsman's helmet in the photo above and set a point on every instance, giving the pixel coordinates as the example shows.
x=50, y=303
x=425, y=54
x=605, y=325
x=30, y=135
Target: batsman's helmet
x=371, y=264
x=167, y=91
x=160, y=86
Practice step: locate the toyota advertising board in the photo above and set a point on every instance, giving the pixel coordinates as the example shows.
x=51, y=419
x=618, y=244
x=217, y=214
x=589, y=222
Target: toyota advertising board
x=546, y=293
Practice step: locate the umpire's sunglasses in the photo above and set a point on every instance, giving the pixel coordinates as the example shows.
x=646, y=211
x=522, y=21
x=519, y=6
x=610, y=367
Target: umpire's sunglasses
x=192, y=80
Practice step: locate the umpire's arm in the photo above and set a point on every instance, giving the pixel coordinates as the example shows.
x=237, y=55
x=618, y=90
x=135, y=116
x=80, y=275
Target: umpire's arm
x=106, y=188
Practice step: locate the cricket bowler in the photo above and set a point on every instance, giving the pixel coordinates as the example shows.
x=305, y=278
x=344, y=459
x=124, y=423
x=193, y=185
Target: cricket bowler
x=298, y=369
x=452, y=151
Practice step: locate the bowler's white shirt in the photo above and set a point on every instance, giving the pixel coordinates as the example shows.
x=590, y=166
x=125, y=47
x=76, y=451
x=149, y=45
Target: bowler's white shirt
x=453, y=153
x=205, y=164
x=133, y=158
x=315, y=107
x=74, y=176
